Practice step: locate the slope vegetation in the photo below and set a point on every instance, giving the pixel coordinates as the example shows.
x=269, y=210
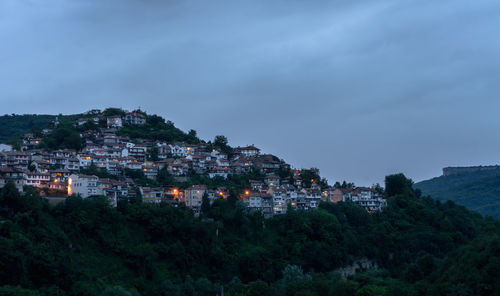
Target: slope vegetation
x=478, y=191
x=84, y=247
x=14, y=126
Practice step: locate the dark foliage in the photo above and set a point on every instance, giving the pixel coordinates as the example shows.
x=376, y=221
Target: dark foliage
x=157, y=129
x=479, y=191
x=397, y=184
x=14, y=126
x=84, y=247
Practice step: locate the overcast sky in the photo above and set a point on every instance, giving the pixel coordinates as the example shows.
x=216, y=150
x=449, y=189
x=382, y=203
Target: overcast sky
x=359, y=89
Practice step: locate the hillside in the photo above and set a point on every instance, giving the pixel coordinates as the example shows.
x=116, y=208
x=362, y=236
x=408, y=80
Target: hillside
x=14, y=126
x=85, y=247
x=477, y=190
x=145, y=244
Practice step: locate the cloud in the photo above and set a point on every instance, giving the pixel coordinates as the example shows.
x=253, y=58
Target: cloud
x=358, y=89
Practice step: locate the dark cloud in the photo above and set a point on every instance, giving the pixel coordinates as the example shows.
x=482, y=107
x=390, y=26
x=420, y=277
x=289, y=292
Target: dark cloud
x=359, y=89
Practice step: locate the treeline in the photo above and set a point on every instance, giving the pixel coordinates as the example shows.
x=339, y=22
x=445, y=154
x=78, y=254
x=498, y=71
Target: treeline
x=477, y=191
x=83, y=247
x=67, y=136
x=156, y=128
x=14, y=126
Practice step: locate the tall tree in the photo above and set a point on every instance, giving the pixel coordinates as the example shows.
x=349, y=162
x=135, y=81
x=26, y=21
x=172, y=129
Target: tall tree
x=397, y=184
x=205, y=204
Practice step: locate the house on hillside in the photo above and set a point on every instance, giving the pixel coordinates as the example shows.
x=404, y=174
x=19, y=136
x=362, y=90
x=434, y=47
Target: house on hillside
x=5, y=148
x=39, y=180
x=84, y=185
x=114, y=190
x=114, y=121
x=279, y=202
x=262, y=202
x=249, y=151
x=367, y=198
x=135, y=118
x=222, y=172
x=272, y=181
x=14, y=175
x=194, y=196
x=138, y=152
x=152, y=195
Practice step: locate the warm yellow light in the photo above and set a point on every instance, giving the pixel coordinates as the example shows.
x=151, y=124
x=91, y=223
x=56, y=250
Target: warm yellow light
x=247, y=192
x=55, y=180
x=175, y=191
x=221, y=194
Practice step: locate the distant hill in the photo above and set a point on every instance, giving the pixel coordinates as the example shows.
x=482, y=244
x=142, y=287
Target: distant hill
x=477, y=188
x=14, y=126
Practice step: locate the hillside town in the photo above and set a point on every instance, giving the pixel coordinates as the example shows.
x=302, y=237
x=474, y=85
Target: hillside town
x=64, y=172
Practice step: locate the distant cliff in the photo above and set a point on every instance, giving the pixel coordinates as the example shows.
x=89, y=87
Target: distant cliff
x=449, y=171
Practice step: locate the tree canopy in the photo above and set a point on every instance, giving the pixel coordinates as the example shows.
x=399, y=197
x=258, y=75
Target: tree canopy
x=85, y=247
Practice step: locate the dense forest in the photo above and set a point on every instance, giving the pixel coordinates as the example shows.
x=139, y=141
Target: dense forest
x=66, y=136
x=478, y=191
x=14, y=126
x=416, y=246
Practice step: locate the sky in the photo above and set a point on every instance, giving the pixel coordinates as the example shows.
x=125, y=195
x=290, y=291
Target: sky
x=358, y=89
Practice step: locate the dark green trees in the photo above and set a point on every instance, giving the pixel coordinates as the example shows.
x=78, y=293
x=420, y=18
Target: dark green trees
x=85, y=247
x=63, y=137
x=397, y=184
x=221, y=143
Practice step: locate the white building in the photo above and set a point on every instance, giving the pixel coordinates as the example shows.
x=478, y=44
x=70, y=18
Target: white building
x=135, y=118
x=85, y=160
x=219, y=172
x=279, y=202
x=260, y=202
x=37, y=179
x=249, y=151
x=14, y=175
x=5, y=148
x=84, y=185
x=137, y=152
x=313, y=197
x=114, y=121
x=194, y=197
x=178, y=150
x=367, y=198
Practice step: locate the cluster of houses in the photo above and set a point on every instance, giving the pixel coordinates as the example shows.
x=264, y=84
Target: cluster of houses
x=60, y=171
x=276, y=200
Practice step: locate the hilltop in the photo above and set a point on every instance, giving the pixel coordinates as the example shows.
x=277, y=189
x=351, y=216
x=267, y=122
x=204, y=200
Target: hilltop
x=126, y=155
x=477, y=188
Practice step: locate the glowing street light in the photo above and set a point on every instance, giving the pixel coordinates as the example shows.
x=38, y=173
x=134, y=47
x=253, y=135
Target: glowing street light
x=70, y=181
